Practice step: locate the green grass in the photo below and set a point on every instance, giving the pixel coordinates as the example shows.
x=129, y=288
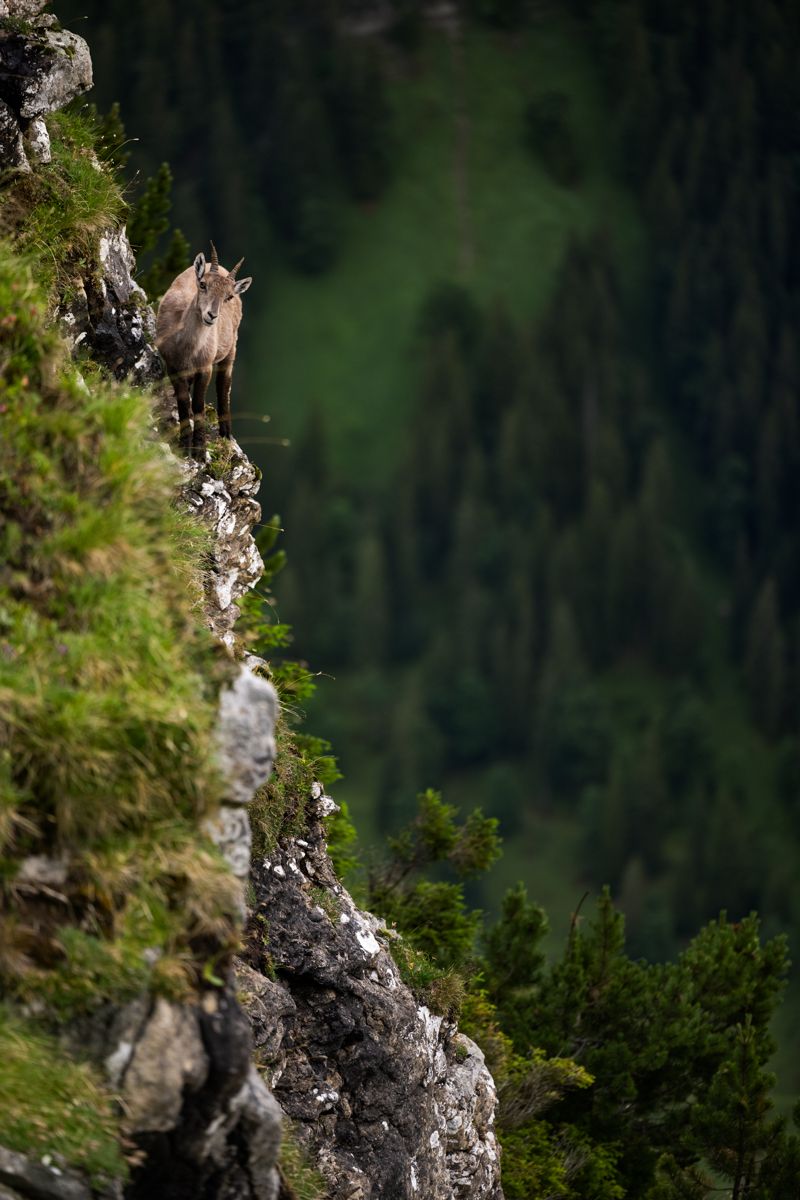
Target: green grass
x=51, y=1105
x=344, y=341
x=56, y=214
x=108, y=685
x=299, y=1179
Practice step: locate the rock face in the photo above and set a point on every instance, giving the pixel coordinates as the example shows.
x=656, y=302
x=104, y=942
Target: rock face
x=196, y=1109
x=393, y=1100
x=248, y=710
x=225, y=501
x=42, y=1181
x=42, y=68
x=108, y=314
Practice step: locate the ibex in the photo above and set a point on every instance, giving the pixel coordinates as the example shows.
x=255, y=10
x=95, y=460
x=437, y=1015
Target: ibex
x=197, y=327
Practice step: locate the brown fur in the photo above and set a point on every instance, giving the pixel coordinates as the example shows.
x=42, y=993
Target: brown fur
x=196, y=329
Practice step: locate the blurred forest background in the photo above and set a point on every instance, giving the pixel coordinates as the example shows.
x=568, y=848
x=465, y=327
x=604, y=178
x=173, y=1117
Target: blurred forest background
x=525, y=305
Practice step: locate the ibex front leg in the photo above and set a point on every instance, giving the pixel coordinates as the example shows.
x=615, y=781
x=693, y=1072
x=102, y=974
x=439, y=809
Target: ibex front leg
x=181, y=385
x=224, y=377
x=201, y=382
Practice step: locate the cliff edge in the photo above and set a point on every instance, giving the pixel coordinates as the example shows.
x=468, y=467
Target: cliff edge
x=191, y=1003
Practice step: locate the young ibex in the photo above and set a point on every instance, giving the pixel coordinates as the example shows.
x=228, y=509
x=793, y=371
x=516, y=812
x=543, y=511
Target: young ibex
x=197, y=326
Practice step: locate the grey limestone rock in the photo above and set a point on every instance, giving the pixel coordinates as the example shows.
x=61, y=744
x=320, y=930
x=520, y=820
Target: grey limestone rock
x=268, y=1005
x=392, y=1101
x=229, y=830
x=40, y=871
x=469, y=1099
x=248, y=709
x=167, y=1059
x=39, y=1180
x=108, y=313
x=37, y=141
x=194, y=1105
x=42, y=68
x=21, y=8
x=226, y=503
x=246, y=735
x=12, y=150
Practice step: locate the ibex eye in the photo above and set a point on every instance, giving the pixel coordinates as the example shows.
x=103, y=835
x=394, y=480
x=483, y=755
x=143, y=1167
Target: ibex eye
x=203, y=287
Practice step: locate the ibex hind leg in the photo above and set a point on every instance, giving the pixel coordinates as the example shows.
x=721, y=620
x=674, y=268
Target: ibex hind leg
x=199, y=388
x=224, y=377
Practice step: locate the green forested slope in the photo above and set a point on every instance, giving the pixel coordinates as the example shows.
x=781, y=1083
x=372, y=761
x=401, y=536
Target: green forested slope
x=541, y=522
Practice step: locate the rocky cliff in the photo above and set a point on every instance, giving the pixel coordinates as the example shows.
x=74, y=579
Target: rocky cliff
x=311, y=1021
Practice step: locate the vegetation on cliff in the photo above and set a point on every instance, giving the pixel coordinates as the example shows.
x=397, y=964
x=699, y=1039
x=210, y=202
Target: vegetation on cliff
x=108, y=683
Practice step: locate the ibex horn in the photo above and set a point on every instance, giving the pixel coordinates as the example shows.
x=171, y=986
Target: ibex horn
x=232, y=274
x=214, y=258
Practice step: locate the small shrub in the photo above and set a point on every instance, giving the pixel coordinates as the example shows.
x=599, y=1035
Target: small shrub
x=441, y=990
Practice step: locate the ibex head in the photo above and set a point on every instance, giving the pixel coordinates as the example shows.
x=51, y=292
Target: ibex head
x=214, y=288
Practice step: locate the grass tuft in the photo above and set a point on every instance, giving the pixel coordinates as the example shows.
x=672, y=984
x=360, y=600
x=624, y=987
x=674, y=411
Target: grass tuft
x=55, y=214
x=442, y=989
x=299, y=1179
x=51, y=1105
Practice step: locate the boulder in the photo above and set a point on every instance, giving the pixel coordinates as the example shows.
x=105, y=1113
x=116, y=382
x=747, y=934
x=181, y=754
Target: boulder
x=39, y=1180
x=42, y=68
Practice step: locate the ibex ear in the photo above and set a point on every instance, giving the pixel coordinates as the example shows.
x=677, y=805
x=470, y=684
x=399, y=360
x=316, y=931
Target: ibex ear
x=242, y=285
x=200, y=265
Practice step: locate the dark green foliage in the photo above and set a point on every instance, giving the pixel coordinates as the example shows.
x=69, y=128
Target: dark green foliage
x=575, y=739
x=150, y=216
x=664, y=1070
x=342, y=839
x=361, y=121
x=157, y=278
x=407, y=26
x=450, y=309
x=548, y=132
x=513, y=963
x=506, y=14
x=765, y=657
x=433, y=915
x=656, y=1039
x=113, y=144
